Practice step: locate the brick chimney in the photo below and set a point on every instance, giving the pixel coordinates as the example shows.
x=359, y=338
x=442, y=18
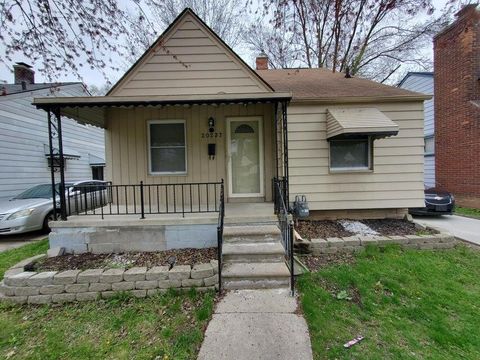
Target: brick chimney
x=262, y=61
x=24, y=73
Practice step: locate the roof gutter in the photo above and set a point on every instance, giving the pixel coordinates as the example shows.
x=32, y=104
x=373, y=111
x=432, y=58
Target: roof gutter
x=360, y=99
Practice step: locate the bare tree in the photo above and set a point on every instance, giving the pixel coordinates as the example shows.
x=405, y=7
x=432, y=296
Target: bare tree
x=373, y=38
x=63, y=36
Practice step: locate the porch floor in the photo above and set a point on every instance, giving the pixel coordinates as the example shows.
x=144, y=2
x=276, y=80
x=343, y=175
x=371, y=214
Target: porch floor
x=235, y=213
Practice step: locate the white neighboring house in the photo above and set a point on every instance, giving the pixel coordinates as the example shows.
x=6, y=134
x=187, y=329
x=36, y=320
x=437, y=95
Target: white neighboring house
x=423, y=82
x=24, y=151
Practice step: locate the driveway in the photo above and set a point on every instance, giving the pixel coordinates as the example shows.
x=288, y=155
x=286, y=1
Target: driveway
x=8, y=242
x=461, y=227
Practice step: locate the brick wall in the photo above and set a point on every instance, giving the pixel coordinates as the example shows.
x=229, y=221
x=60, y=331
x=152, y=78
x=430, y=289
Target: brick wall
x=457, y=117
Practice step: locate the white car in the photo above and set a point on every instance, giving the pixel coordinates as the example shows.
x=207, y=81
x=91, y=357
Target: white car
x=33, y=209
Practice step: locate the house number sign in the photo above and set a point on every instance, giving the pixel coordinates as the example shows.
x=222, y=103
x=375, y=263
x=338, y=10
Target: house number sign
x=211, y=135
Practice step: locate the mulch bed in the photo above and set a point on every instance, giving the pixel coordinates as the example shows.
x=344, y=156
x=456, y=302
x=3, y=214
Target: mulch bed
x=315, y=229
x=126, y=260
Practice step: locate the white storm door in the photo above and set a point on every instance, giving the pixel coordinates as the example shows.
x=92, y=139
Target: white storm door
x=245, y=156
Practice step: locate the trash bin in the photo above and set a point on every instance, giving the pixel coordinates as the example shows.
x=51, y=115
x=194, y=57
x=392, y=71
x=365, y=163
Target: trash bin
x=300, y=207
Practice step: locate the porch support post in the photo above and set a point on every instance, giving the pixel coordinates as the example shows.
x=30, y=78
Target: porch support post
x=63, y=203
x=276, y=139
x=52, y=168
x=285, y=154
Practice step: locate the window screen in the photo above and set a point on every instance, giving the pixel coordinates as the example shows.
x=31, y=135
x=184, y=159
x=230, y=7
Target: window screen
x=348, y=154
x=429, y=145
x=167, y=147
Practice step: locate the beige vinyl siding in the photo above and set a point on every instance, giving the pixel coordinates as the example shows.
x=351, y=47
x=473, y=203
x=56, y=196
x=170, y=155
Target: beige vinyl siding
x=189, y=61
x=397, y=177
x=127, y=144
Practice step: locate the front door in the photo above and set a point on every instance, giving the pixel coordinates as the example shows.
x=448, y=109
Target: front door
x=245, y=156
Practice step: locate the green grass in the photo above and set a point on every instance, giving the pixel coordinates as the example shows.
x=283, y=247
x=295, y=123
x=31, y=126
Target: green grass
x=166, y=326
x=11, y=257
x=470, y=212
x=408, y=305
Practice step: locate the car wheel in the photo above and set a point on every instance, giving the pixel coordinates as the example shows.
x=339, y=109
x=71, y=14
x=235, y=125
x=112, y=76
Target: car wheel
x=49, y=218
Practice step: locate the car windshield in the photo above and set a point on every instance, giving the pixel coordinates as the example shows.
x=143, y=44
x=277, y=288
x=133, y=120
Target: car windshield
x=43, y=191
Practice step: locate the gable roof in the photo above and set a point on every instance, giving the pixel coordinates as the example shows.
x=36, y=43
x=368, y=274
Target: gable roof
x=415, y=73
x=192, y=52
x=17, y=88
x=325, y=85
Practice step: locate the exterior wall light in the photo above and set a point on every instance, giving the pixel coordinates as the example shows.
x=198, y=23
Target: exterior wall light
x=211, y=124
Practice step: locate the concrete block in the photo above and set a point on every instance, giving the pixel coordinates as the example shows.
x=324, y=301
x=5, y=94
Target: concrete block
x=6, y=290
x=368, y=240
x=445, y=237
x=56, y=251
x=205, y=288
x=108, y=294
x=135, y=274
x=210, y=281
x=87, y=296
x=40, y=279
x=335, y=242
x=188, y=283
x=190, y=236
x=319, y=243
x=146, y=284
x=201, y=271
x=19, y=279
x=214, y=264
x=179, y=272
x=154, y=292
x=447, y=245
x=40, y=299
x=89, y=276
x=166, y=284
x=139, y=293
x=157, y=273
x=12, y=271
x=16, y=299
x=351, y=241
x=426, y=246
x=99, y=287
x=76, y=288
x=411, y=246
x=123, y=286
x=66, y=277
x=415, y=239
x=63, y=298
x=102, y=248
x=112, y=275
x=26, y=291
x=28, y=261
x=398, y=239
x=52, y=289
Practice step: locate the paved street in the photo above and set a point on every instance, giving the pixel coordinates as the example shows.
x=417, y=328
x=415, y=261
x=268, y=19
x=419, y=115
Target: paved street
x=8, y=242
x=461, y=227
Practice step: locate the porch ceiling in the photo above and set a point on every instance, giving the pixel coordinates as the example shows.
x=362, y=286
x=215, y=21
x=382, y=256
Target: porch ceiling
x=92, y=110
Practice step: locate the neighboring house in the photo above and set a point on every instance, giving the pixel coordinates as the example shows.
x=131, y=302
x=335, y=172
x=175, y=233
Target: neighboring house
x=422, y=82
x=24, y=155
x=190, y=111
x=457, y=107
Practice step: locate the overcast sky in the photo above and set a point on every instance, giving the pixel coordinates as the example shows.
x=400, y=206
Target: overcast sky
x=91, y=77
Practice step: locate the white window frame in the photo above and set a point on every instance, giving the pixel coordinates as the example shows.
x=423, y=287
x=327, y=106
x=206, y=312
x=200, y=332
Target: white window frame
x=369, y=168
x=425, y=152
x=166, y=122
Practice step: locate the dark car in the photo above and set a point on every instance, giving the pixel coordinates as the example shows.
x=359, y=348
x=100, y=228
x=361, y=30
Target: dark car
x=436, y=203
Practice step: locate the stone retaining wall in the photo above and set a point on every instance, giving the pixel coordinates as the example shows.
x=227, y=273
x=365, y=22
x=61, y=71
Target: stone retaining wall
x=355, y=243
x=47, y=287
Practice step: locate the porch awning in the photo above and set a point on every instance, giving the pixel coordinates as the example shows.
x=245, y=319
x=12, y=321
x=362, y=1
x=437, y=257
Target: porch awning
x=92, y=109
x=67, y=153
x=359, y=121
x=95, y=160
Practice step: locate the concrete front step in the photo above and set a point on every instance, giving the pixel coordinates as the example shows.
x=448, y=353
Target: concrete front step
x=253, y=252
x=251, y=234
x=255, y=275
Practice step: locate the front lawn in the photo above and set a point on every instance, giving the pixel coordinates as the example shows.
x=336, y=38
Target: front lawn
x=407, y=304
x=163, y=327
x=469, y=212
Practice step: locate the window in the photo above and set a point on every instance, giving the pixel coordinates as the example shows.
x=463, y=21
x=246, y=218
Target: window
x=167, y=147
x=97, y=172
x=351, y=154
x=429, y=145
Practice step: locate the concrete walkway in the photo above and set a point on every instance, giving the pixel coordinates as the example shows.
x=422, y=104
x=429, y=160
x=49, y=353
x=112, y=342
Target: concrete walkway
x=461, y=227
x=254, y=325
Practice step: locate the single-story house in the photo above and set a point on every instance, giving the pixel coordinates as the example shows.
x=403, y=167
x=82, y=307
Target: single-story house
x=24, y=154
x=190, y=124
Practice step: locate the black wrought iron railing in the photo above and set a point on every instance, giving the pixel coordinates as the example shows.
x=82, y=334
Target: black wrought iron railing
x=144, y=199
x=221, y=217
x=286, y=226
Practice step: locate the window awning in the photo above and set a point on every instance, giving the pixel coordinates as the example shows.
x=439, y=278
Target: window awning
x=67, y=153
x=95, y=160
x=359, y=121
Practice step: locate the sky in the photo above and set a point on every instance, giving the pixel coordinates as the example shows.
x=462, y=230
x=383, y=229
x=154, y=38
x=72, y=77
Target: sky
x=94, y=77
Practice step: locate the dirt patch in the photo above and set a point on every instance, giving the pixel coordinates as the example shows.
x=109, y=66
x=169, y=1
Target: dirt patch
x=313, y=229
x=315, y=263
x=320, y=229
x=126, y=260
x=351, y=294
